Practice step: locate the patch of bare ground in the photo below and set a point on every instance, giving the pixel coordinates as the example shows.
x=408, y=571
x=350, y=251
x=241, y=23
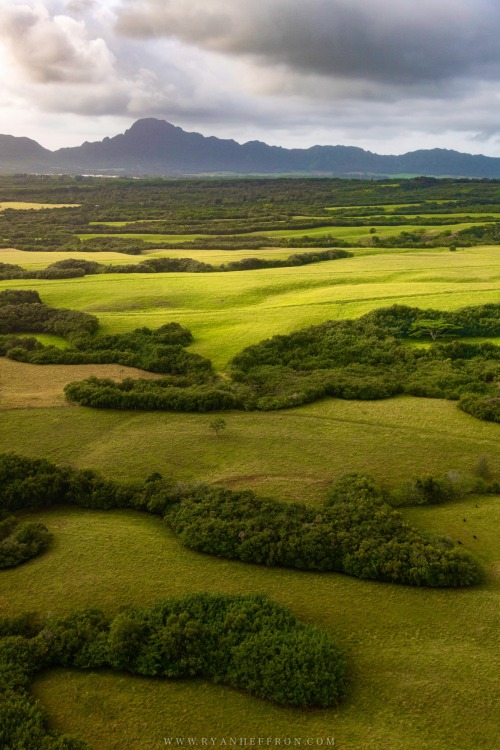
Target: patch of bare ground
x=26, y=386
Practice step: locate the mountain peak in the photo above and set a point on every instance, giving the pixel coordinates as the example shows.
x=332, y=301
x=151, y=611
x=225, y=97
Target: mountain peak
x=150, y=125
x=156, y=147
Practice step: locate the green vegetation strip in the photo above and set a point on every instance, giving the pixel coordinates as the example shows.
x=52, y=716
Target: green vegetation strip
x=72, y=268
x=364, y=359
x=359, y=534
x=247, y=642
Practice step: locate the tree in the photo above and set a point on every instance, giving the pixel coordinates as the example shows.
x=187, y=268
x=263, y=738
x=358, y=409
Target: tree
x=218, y=425
x=433, y=328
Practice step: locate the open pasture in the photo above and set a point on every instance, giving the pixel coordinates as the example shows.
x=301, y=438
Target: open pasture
x=228, y=311
x=23, y=385
x=404, y=645
x=423, y=666
x=25, y=206
x=293, y=454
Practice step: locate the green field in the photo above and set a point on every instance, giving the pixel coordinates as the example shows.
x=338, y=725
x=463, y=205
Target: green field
x=293, y=454
x=404, y=645
x=423, y=663
x=24, y=206
x=352, y=234
x=228, y=311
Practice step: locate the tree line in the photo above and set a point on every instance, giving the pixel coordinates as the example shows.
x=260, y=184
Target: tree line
x=367, y=358
x=78, y=268
x=354, y=533
x=245, y=641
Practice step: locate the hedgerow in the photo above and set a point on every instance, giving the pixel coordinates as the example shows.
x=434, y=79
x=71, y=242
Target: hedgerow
x=77, y=268
x=358, y=533
x=364, y=359
x=248, y=642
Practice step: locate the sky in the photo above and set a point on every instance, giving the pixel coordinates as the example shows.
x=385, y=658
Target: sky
x=389, y=76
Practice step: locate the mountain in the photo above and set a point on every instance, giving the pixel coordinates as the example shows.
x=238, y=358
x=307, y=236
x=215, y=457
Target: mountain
x=23, y=154
x=155, y=147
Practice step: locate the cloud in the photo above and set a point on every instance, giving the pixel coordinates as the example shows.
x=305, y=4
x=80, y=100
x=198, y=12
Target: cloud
x=53, y=49
x=390, y=43
x=381, y=74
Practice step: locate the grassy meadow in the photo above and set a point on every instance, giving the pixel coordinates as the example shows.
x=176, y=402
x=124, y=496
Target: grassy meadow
x=228, y=311
x=423, y=665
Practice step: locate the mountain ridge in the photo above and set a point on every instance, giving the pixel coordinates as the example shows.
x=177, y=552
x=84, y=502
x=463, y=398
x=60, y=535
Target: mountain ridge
x=159, y=148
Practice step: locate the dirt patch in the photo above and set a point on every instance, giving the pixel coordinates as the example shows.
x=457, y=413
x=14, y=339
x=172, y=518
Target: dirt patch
x=25, y=386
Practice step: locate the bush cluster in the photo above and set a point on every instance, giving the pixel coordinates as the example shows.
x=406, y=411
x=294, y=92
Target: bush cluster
x=368, y=358
x=77, y=268
x=161, y=350
x=248, y=642
x=170, y=394
x=362, y=536
x=482, y=407
x=357, y=533
x=23, y=312
x=21, y=541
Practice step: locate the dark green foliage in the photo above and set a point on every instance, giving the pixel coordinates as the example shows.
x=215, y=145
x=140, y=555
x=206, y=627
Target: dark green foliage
x=368, y=359
x=353, y=359
x=23, y=724
x=19, y=297
x=74, y=267
x=353, y=487
x=33, y=317
x=217, y=637
x=21, y=541
x=358, y=534
x=172, y=394
x=482, y=407
x=161, y=350
x=428, y=490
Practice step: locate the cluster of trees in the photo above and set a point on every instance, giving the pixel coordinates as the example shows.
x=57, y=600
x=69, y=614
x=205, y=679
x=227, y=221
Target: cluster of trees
x=356, y=533
x=77, y=268
x=361, y=536
x=366, y=358
x=418, y=490
x=162, y=350
x=482, y=407
x=21, y=541
x=169, y=394
x=247, y=642
x=23, y=312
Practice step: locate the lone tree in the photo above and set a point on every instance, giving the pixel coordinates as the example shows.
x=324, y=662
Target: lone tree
x=433, y=328
x=218, y=425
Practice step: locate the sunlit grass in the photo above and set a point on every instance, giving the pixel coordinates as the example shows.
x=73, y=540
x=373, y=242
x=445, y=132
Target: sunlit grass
x=34, y=206
x=228, y=311
x=294, y=454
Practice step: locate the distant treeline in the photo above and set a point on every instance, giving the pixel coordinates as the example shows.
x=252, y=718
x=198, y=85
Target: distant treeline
x=245, y=641
x=228, y=211
x=355, y=533
x=75, y=267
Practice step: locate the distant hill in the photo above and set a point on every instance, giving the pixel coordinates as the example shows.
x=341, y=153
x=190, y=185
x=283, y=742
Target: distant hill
x=155, y=147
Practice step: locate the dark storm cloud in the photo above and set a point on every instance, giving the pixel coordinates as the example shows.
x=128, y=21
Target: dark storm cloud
x=396, y=43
